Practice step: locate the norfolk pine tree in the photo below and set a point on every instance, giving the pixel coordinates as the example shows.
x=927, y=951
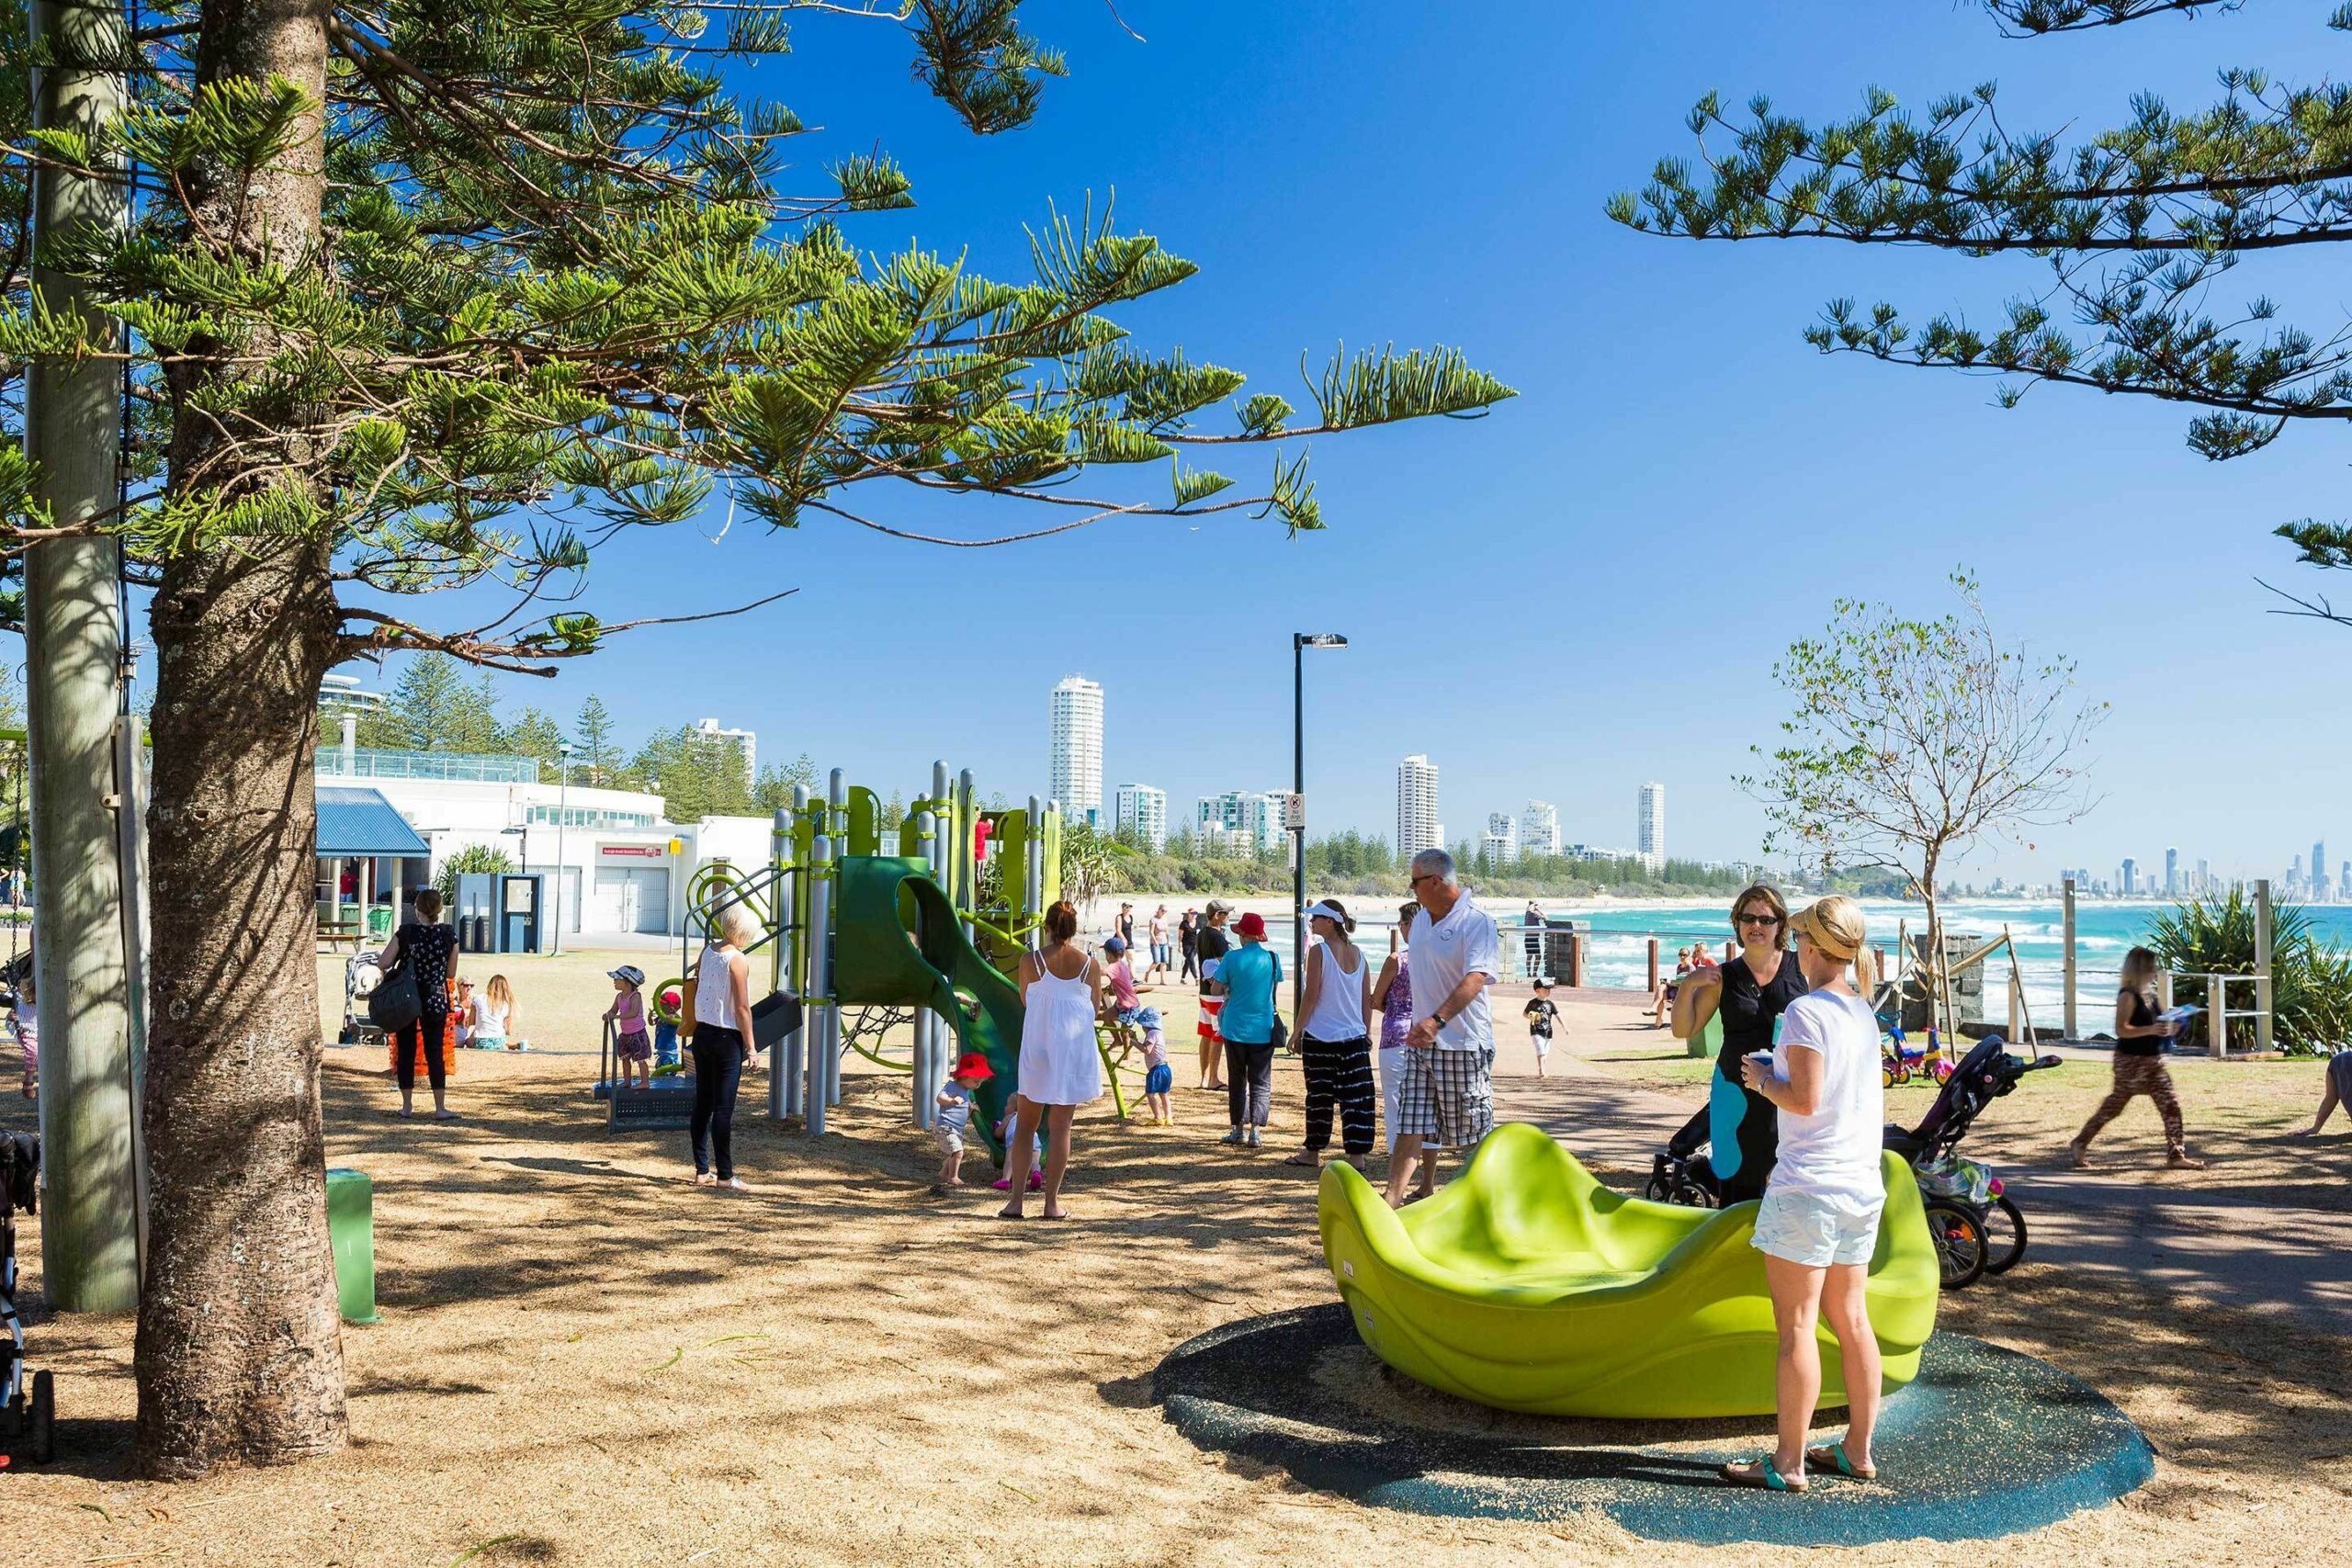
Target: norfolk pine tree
x=2138, y=228
x=421, y=296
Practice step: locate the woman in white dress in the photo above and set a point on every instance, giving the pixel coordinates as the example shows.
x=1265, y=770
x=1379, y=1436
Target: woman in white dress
x=1061, y=995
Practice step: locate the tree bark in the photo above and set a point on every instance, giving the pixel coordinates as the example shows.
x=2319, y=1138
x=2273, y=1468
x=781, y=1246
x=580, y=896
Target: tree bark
x=240, y=1358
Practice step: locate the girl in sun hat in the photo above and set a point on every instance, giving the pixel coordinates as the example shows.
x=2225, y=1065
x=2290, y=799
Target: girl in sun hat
x=631, y=1043
x=1817, y=1226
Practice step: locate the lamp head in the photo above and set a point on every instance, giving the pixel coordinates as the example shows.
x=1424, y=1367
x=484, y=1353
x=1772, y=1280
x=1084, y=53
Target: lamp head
x=1319, y=640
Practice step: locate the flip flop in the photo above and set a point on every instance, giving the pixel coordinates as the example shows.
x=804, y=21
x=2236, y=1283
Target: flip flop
x=1762, y=1473
x=1063, y=1215
x=1010, y=1214
x=1832, y=1457
x=1305, y=1157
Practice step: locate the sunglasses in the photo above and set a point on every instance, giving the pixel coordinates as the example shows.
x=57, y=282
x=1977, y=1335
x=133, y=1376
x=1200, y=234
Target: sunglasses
x=1425, y=876
x=1760, y=919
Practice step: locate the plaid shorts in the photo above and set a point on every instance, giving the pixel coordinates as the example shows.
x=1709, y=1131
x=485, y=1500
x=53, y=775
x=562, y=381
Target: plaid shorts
x=1447, y=1097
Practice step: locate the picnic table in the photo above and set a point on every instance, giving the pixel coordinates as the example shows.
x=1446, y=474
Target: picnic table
x=334, y=933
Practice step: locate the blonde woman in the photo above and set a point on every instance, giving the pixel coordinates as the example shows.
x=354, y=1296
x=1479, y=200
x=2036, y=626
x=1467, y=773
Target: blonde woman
x=722, y=1043
x=490, y=1017
x=1817, y=1226
x=2140, y=1037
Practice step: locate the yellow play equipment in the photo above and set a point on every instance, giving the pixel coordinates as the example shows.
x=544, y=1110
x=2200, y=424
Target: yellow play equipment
x=1527, y=1285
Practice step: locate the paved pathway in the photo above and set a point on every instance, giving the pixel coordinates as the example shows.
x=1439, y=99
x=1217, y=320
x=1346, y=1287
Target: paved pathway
x=2271, y=1258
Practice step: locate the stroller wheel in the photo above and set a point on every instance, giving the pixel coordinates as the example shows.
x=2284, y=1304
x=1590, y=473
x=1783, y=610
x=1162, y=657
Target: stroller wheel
x=1690, y=1194
x=2004, y=1236
x=1958, y=1238
x=41, y=1424
x=1656, y=1189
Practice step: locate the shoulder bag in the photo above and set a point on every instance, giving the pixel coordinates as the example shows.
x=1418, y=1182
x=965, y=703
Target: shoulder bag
x=395, y=1003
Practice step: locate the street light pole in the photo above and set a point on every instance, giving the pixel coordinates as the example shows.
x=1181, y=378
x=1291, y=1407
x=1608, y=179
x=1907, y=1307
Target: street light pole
x=1299, y=643
x=563, y=820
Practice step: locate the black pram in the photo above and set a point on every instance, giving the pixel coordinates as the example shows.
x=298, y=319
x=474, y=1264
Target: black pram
x=28, y=1403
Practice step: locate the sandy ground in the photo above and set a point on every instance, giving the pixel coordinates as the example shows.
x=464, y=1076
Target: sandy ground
x=585, y=1361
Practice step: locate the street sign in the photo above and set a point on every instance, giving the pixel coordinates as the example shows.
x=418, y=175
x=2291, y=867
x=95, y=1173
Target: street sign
x=1294, y=813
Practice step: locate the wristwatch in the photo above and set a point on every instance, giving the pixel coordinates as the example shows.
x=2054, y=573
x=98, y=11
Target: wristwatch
x=1438, y=1018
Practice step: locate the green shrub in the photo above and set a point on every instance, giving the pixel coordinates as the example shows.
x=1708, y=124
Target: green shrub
x=2311, y=981
x=473, y=857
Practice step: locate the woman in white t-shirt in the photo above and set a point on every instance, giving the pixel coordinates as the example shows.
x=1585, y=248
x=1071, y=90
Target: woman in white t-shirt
x=1817, y=1226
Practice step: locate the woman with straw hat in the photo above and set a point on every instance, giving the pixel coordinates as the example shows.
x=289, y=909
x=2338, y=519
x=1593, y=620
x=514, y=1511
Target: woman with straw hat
x=1817, y=1226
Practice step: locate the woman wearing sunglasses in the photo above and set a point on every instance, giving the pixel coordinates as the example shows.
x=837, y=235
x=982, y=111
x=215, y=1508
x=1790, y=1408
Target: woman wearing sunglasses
x=1750, y=993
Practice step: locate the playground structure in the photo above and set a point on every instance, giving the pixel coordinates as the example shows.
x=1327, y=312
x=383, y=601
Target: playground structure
x=877, y=927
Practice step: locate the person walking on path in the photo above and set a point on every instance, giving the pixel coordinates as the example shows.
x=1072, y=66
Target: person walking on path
x=722, y=1043
x=1751, y=992
x=1392, y=994
x=1187, y=931
x=1448, y=1095
x=1818, y=1224
x=1123, y=928
x=1247, y=979
x=2140, y=1037
x=1210, y=945
x=1061, y=995
x=1158, y=933
x=1334, y=1048
x=1533, y=941
x=427, y=941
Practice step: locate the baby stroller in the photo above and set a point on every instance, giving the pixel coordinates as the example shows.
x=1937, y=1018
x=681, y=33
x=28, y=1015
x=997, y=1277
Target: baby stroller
x=1680, y=1172
x=28, y=1404
x=1977, y=1227
x=361, y=975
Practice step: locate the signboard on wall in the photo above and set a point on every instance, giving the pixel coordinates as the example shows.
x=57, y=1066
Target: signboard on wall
x=629, y=852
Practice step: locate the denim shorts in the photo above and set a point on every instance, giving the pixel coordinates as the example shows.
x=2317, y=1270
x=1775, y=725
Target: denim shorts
x=1818, y=1229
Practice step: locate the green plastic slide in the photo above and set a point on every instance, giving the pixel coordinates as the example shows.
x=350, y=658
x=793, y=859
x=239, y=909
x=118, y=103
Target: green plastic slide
x=1527, y=1285
x=897, y=943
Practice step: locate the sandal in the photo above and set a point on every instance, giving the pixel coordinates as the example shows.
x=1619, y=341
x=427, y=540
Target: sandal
x=1764, y=1474
x=1305, y=1157
x=1832, y=1457
x=2181, y=1159
x=736, y=1184
x=1011, y=1215
x=705, y=1178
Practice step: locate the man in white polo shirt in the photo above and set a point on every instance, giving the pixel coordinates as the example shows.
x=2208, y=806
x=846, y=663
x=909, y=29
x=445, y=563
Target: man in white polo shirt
x=1447, y=1097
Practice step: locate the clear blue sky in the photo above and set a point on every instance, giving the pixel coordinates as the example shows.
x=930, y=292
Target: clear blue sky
x=1588, y=589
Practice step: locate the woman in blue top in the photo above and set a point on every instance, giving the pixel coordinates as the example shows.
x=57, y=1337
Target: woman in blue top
x=1246, y=980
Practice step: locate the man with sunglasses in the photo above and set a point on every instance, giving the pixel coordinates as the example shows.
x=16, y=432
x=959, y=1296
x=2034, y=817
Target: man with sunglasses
x=1447, y=1097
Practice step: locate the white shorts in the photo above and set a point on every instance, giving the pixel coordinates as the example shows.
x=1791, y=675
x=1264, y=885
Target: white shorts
x=1542, y=1044
x=1817, y=1229
x=949, y=1139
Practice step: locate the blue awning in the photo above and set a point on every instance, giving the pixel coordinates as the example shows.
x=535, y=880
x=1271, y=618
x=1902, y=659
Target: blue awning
x=362, y=822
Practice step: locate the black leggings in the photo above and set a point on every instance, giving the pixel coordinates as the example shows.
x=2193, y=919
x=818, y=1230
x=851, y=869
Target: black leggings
x=1191, y=965
x=427, y=1031
x=1339, y=1072
x=1249, y=1082
x=719, y=1071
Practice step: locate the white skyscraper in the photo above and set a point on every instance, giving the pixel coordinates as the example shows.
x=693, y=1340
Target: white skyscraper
x=1417, y=825
x=745, y=741
x=1649, y=831
x=1539, y=829
x=1501, y=843
x=1078, y=749
x=1145, y=810
x=2171, y=873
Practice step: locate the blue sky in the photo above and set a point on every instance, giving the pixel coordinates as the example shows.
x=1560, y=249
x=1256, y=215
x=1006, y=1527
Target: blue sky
x=1588, y=589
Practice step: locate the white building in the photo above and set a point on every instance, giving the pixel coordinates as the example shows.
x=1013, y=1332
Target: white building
x=1076, y=769
x=614, y=865
x=1417, y=824
x=1539, y=829
x=745, y=741
x=1500, y=846
x=1242, y=822
x=1649, y=827
x=1142, y=807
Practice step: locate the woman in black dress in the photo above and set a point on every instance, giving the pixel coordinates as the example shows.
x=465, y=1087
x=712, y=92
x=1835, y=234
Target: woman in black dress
x=1750, y=992
x=427, y=943
x=1188, y=937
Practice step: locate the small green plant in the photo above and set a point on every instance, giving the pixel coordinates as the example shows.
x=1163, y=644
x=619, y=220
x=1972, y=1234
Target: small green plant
x=2310, y=980
x=473, y=857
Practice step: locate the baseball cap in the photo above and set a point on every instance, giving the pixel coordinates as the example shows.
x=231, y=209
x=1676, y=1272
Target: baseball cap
x=1217, y=906
x=972, y=1064
x=628, y=972
x=1251, y=924
x=1115, y=946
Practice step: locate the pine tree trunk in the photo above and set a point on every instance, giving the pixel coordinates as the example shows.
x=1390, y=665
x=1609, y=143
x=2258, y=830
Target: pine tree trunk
x=239, y=1356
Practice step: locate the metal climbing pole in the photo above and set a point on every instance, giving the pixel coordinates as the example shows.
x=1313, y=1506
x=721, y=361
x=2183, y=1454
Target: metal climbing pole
x=836, y=824
x=74, y=688
x=783, y=975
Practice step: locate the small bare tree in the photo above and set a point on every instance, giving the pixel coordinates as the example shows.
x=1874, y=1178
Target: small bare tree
x=1913, y=738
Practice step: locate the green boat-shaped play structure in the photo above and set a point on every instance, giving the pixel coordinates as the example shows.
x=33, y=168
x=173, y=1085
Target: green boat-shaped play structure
x=1527, y=1285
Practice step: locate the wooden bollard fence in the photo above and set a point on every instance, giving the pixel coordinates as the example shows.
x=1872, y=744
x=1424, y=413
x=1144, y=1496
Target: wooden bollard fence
x=1653, y=966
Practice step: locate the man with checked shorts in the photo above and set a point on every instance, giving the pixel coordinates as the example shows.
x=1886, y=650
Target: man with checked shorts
x=1447, y=1098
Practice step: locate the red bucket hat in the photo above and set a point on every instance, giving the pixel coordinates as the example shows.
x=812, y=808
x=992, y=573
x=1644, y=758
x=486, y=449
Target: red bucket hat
x=972, y=1064
x=1251, y=924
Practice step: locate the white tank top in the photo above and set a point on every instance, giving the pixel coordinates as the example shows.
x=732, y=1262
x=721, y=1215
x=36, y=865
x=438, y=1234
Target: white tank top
x=1339, y=1006
x=715, y=989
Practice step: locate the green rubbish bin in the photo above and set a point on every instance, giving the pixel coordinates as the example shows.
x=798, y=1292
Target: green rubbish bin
x=351, y=1231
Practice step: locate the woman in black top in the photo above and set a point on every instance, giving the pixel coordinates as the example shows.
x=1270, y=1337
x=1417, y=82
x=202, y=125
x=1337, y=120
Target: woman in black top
x=426, y=942
x=1187, y=938
x=1750, y=993
x=2140, y=1037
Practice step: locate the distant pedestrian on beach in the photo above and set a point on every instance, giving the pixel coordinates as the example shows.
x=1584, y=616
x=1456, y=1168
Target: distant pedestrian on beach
x=1248, y=977
x=1157, y=933
x=1123, y=928
x=1448, y=1096
x=1751, y=992
x=1187, y=935
x=1533, y=941
x=722, y=1043
x=2140, y=1037
x=1334, y=1046
x=1543, y=1015
x=1061, y=995
x=1210, y=945
x=2335, y=1088
x=1664, y=997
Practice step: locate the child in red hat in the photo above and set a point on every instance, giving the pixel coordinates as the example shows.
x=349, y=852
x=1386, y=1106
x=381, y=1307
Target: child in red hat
x=954, y=1103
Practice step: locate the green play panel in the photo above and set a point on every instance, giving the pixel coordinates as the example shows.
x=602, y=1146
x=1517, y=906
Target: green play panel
x=1985, y=1443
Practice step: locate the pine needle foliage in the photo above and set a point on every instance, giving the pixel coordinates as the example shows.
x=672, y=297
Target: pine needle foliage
x=566, y=285
x=2139, y=229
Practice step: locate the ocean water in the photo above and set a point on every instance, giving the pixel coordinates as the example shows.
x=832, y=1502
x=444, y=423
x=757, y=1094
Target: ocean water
x=2104, y=931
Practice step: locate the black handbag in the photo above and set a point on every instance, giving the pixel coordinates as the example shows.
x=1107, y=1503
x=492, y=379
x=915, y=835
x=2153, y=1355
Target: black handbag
x=1280, y=1039
x=395, y=1003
